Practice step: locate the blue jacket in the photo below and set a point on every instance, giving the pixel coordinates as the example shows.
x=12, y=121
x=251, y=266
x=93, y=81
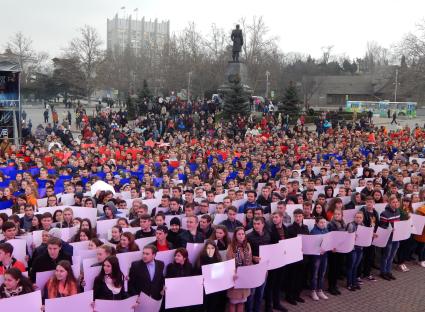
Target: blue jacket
x=317, y=231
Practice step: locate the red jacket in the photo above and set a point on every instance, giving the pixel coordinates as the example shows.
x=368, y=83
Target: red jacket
x=15, y=264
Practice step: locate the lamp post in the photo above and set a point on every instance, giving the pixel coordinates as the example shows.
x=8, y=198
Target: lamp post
x=267, y=83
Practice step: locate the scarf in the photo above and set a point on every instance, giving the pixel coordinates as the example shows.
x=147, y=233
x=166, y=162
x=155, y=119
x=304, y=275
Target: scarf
x=12, y=293
x=243, y=256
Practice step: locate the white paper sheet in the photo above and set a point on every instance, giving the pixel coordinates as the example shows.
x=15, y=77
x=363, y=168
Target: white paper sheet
x=273, y=255
x=364, y=236
x=41, y=278
x=90, y=274
x=147, y=304
x=125, y=305
x=310, y=223
x=218, y=276
x=166, y=256
x=177, y=290
x=292, y=250
x=81, y=301
x=402, y=230
x=251, y=276
x=311, y=244
x=194, y=250
x=341, y=241
x=104, y=226
x=382, y=237
x=29, y=303
x=19, y=249
x=126, y=259
x=418, y=223
x=142, y=242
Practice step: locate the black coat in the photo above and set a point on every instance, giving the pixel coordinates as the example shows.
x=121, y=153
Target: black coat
x=139, y=280
x=178, y=270
x=187, y=237
x=101, y=291
x=44, y=263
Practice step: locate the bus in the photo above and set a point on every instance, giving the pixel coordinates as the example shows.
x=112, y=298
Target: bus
x=381, y=108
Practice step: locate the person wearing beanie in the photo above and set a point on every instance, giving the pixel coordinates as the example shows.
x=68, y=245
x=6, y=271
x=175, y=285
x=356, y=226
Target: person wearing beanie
x=174, y=231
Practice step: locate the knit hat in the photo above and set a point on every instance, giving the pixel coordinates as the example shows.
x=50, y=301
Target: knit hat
x=175, y=221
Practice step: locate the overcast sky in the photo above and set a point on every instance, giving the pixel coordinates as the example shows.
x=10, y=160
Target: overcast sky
x=303, y=25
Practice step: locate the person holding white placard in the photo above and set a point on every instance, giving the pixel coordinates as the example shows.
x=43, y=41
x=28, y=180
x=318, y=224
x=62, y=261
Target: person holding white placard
x=370, y=219
x=15, y=284
x=335, y=259
x=390, y=215
x=296, y=271
x=355, y=256
x=210, y=254
x=63, y=283
x=240, y=250
x=147, y=275
x=404, y=252
x=259, y=236
x=420, y=239
x=319, y=263
x=109, y=284
x=275, y=278
x=180, y=267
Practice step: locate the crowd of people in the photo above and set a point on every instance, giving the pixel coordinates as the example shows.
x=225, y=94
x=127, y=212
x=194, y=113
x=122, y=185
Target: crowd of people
x=199, y=168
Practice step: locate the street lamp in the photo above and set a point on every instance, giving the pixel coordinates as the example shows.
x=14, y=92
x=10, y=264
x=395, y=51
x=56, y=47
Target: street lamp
x=267, y=83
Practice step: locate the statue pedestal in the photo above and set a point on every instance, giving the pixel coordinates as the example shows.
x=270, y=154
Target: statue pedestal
x=236, y=71
x=235, y=91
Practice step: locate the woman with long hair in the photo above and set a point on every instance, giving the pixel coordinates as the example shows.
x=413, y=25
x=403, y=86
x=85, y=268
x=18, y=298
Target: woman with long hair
x=127, y=243
x=109, y=284
x=209, y=255
x=63, y=283
x=240, y=250
x=15, y=284
x=221, y=235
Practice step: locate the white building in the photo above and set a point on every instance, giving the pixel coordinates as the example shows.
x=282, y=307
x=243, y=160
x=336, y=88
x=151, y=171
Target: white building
x=138, y=34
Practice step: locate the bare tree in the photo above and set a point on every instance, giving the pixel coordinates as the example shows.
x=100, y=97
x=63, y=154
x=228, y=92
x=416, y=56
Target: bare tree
x=22, y=48
x=87, y=49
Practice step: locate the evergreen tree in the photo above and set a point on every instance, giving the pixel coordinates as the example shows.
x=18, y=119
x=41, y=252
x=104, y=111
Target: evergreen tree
x=145, y=92
x=236, y=99
x=131, y=108
x=290, y=100
x=143, y=97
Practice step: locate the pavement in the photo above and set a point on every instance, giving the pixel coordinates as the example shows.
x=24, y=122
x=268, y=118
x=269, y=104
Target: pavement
x=405, y=294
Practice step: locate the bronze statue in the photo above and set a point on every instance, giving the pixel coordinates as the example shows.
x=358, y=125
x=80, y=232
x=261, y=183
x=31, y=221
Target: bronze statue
x=237, y=39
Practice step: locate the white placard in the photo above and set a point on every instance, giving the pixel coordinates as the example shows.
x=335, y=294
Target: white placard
x=147, y=304
x=166, y=256
x=177, y=290
x=218, y=276
x=312, y=243
x=126, y=259
x=30, y=302
x=402, y=230
x=68, y=304
x=125, y=305
x=193, y=250
x=142, y=242
x=251, y=276
x=382, y=236
x=418, y=223
x=364, y=236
